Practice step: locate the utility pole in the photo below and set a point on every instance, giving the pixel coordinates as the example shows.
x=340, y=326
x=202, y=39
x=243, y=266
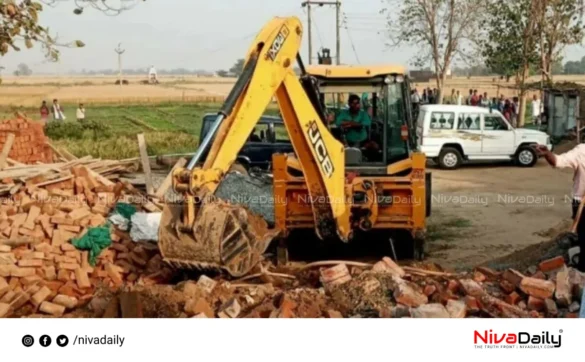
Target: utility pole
x=120, y=51
x=338, y=26
x=337, y=4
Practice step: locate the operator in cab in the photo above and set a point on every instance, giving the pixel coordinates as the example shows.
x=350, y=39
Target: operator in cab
x=354, y=121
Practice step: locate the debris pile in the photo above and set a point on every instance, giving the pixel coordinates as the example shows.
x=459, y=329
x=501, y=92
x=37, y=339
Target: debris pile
x=25, y=141
x=356, y=290
x=56, y=246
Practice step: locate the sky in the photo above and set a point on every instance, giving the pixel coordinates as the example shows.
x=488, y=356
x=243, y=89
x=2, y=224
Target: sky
x=209, y=35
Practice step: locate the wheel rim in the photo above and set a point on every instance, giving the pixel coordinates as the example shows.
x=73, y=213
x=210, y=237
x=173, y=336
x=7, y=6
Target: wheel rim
x=450, y=159
x=525, y=157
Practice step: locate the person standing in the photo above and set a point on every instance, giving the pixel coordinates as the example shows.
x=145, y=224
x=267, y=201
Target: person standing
x=57, y=110
x=152, y=75
x=80, y=113
x=575, y=160
x=432, y=97
x=474, y=101
x=485, y=101
x=425, y=97
x=536, y=110
x=502, y=103
x=468, y=100
x=44, y=112
x=515, y=109
x=415, y=100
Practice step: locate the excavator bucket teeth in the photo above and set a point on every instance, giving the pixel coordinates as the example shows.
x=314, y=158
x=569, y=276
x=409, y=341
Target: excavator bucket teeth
x=224, y=236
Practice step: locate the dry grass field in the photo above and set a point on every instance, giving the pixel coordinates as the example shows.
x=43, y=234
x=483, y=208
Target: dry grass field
x=30, y=91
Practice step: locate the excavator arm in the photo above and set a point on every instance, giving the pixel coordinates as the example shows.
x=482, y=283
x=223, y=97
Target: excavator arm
x=225, y=235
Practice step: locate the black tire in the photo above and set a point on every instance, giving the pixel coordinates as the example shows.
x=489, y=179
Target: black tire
x=526, y=156
x=419, y=249
x=450, y=158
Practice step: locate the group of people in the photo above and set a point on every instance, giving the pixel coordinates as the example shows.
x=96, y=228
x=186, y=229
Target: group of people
x=57, y=111
x=508, y=108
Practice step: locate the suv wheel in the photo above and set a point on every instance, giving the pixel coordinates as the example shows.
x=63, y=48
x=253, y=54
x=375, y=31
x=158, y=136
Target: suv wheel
x=526, y=156
x=450, y=158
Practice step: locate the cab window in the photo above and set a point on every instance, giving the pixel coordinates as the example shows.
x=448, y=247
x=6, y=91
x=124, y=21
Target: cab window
x=397, y=148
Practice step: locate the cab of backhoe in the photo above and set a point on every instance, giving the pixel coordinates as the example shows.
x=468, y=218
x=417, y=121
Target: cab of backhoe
x=384, y=94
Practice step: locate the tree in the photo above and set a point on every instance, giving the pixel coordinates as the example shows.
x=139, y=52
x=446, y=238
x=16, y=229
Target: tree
x=442, y=30
x=510, y=47
x=19, y=23
x=23, y=69
x=222, y=73
x=557, y=67
x=238, y=67
x=560, y=24
x=575, y=67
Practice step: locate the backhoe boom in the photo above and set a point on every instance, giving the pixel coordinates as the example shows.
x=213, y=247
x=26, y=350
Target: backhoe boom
x=268, y=73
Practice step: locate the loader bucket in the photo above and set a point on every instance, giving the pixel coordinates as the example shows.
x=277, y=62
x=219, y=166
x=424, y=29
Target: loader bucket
x=224, y=236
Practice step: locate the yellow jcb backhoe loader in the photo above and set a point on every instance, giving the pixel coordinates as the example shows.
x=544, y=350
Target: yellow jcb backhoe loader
x=342, y=193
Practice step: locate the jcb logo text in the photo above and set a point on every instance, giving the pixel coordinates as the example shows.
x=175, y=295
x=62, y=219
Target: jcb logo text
x=319, y=146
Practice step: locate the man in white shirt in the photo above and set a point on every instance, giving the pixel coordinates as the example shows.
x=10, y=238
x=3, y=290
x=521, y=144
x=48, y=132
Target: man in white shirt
x=536, y=110
x=415, y=97
x=152, y=74
x=80, y=113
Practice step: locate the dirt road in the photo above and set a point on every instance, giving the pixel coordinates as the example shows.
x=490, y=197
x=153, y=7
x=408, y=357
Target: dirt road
x=481, y=212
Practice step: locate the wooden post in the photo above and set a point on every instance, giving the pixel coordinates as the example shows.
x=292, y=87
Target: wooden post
x=6, y=150
x=145, y=164
x=162, y=190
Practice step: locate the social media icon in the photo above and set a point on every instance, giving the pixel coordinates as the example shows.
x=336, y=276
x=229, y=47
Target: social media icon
x=45, y=340
x=62, y=340
x=28, y=340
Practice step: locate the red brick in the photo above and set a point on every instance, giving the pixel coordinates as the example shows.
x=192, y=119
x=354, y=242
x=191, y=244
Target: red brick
x=479, y=277
x=472, y=304
x=404, y=294
x=429, y=290
x=551, y=308
x=513, y=276
x=336, y=275
x=536, y=304
x=552, y=264
x=453, y=286
x=538, y=288
x=563, y=288
x=456, y=309
x=507, y=287
x=513, y=298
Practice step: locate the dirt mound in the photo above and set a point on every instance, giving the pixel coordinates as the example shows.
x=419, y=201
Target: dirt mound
x=533, y=254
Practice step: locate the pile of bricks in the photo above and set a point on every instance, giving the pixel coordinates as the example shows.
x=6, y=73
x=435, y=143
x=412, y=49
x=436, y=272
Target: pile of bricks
x=41, y=272
x=549, y=290
x=30, y=143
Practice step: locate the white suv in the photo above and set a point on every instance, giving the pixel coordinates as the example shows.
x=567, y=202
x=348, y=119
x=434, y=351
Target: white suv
x=450, y=135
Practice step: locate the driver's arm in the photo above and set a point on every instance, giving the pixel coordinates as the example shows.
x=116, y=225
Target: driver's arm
x=344, y=120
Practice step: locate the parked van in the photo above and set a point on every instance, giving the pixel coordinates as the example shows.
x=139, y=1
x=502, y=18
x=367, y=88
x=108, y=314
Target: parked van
x=452, y=134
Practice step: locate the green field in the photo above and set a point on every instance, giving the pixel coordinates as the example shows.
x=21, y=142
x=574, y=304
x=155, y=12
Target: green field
x=168, y=128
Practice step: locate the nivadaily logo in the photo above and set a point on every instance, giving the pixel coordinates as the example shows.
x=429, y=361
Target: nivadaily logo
x=489, y=339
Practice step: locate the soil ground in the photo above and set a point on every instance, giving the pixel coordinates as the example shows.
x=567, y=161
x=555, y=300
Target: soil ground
x=484, y=212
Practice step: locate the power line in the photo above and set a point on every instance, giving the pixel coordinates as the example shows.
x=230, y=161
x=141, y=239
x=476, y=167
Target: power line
x=318, y=33
x=357, y=58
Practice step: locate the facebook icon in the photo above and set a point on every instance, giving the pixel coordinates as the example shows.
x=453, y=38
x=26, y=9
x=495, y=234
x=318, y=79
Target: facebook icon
x=45, y=340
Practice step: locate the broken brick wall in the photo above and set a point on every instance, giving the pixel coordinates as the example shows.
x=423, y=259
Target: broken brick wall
x=30, y=143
